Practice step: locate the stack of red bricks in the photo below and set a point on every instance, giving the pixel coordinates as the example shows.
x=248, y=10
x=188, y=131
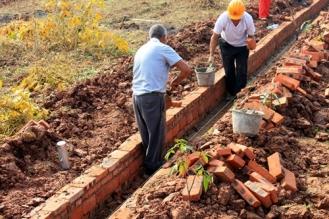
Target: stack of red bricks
x=299, y=66
x=263, y=185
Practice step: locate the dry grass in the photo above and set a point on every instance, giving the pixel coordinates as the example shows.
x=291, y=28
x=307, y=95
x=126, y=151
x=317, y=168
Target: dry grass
x=175, y=14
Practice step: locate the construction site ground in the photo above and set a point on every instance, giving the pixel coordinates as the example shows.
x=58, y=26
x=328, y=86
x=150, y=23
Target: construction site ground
x=95, y=116
x=302, y=140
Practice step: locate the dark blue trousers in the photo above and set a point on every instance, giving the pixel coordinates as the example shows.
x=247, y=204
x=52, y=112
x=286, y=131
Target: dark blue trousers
x=235, y=62
x=151, y=120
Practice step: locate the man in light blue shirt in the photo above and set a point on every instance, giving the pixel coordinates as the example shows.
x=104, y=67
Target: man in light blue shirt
x=152, y=64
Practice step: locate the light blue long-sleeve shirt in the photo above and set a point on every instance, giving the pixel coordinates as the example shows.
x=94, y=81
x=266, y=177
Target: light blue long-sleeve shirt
x=152, y=63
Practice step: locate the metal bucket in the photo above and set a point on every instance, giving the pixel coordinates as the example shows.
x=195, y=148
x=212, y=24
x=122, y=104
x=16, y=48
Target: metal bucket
x=246, y=122
x=205, y=76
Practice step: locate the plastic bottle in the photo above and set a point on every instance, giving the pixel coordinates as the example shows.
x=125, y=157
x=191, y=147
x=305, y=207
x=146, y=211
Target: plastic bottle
x=62, y=155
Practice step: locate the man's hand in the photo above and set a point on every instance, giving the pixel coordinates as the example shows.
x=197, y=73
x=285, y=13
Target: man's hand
x=185, y=71
x=251, y=43
x=175, y=82
x=211, y=59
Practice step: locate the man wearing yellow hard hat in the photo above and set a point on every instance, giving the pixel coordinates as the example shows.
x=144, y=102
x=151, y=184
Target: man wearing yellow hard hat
x=234, y=32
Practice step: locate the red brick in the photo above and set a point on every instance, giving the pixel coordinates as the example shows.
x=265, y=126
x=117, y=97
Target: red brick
x=260, y=194
x=118, y=154
x=289, y=82
x=245, y=193
x=261, y=170
x=269, y=125
x=42, y=214
x=235, y=161
x=326, y=93
x=110, y=164
x=277, y=119
x=44, y=124
x=296, y=76
x=192, y=158
x=238, y=149
x=301, y=91
x=286, y=93
x=291, y=69
x=256, y=177
x=175, y=103
x=269, y=189
x=211, y=169
x=317, y=45
x=248, y=151
x=316, y=56
x=268, y=113
x=193, y=189
x=76, y=213
x=213, y=153
x=224, y=151
x=295, y=61
x=263, y=124
x=305, y=57
x=313, y=64
x=289, y=181
x=281, y=102
x=89, y=204
x=107, y=189
x=83, y=181
x=254, y=97
x=274, y=166
x=56, y=204
x=215, y=162
x=70, y=193
x=224, y=173
x=130, y=146
x=96, y=171
x=317, y=76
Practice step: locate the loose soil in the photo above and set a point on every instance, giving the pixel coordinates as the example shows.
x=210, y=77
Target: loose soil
x=303, y=142
x=95, y=117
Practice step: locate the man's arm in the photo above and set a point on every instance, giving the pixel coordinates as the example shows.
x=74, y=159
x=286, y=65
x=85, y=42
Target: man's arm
x=185, y=71
x=212, y=46
x=251, y=43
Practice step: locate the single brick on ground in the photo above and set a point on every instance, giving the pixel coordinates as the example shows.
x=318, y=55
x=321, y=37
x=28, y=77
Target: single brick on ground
x=289, y=181
x=193, y=189
x=262, y=195
x=245, y=193
x=275, y=166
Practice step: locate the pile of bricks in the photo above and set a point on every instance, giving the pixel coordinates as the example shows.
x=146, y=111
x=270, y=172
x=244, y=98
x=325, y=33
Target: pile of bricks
x=297, y=67
x=237, y=161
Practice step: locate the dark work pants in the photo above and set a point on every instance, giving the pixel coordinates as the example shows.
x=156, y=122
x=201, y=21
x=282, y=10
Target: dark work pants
x=150, y=115
x=235, y=62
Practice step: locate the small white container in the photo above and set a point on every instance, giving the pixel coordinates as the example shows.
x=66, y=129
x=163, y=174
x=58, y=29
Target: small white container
x=62, y=155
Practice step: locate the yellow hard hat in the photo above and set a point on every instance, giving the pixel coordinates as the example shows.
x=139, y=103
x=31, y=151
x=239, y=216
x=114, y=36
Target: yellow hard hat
x=236, y=9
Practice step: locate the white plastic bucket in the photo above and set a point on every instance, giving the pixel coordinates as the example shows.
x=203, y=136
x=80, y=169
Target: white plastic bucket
x=205, y=76
x=246, y=122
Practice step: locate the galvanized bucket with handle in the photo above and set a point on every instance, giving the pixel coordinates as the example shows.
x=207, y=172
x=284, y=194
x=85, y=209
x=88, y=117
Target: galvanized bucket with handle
x=205, y=75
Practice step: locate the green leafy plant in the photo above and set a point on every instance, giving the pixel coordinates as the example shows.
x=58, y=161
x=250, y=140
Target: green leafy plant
x=180, y=167
x=181, y=145
x=206, y=176
x=267, y=98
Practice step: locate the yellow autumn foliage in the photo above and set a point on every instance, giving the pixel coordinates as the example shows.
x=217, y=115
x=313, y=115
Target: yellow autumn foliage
x=17, y=108
x=69, y=25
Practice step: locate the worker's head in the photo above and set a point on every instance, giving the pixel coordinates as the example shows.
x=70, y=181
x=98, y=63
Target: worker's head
x=236, y=10
x=158, y=31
